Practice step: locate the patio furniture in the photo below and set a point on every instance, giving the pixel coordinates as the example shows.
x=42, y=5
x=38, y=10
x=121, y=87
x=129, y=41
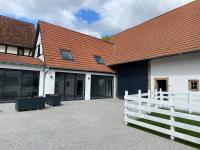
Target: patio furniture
x=34, y=103
x=53, y=100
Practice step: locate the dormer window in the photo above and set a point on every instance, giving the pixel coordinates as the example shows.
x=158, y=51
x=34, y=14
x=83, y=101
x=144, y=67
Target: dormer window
x=99, y=60
x=67, y=55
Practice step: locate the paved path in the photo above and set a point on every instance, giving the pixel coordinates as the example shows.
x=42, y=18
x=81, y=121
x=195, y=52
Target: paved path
x=76, y=125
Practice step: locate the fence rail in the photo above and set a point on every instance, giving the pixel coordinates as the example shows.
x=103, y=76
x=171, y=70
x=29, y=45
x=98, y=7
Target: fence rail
x=142, y=105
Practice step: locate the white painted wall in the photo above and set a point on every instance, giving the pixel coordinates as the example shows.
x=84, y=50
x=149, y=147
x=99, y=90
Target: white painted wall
x=87, y=86
x=50, y=82
x=179, y=69
x=2, y=48
x=11, y=49
x=39, y=43
x=115, y=86
x=26, y=52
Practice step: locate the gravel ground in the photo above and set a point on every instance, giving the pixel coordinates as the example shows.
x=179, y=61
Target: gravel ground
x=76, y=125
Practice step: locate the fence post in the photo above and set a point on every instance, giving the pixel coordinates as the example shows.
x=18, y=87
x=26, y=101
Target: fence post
x=189, y=101
x=149, y=103
x=172, y=120
x=156, y=98
x=161, y=97
x=140, y=102
x=126, y=116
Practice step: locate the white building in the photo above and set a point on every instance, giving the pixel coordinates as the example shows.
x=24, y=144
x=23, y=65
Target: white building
x=177, y=74
x=62, y=62
x=163, y=52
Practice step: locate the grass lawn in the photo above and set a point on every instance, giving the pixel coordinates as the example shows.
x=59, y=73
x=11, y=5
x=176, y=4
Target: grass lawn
x=191, y=122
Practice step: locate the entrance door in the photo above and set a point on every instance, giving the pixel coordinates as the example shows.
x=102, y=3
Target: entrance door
x=79, y=89
x=161, y=84
x=69, y=86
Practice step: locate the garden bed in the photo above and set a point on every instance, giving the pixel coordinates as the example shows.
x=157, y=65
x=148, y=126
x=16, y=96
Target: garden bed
x=53, y=100
x=25, y=104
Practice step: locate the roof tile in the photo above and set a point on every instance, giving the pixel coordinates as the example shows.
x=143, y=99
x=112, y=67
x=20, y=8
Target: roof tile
x=177, y=31
x=83, y=48
x=9, y=58
x=17, y=33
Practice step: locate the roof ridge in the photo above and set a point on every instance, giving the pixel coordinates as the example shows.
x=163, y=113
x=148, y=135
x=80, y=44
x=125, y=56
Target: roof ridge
x=17, y=20
x=171, y=11
x=77, y=32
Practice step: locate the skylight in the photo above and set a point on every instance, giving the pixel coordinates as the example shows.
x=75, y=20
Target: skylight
x=66, y=55
x=99, y=60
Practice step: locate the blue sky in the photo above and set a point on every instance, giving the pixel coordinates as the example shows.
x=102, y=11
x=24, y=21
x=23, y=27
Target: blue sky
x=93, y=17
x=87, y=15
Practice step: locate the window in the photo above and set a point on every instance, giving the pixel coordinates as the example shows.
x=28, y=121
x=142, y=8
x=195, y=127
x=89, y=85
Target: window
x=193, y=85
x=18, y=84
x=99, y=60
x=66, y=55
x=20, y=51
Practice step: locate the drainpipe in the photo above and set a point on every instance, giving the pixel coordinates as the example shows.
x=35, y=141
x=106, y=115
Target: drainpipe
x=45, y=73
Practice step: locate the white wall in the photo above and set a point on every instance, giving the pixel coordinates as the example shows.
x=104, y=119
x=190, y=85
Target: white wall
x=39, y=43
x=87, y=86
x=179, y=69
x=50, y=82
x=11, y=49
x=2, y=48
x=26, y=52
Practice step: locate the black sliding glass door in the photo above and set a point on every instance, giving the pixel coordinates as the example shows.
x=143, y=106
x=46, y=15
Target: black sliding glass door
x=18, y=84
x=1, y=83
x=80, y=86
x=101, y=87
x=70, y=86
x=12, y=84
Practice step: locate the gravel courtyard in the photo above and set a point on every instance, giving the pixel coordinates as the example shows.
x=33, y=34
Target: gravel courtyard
x=76, y=125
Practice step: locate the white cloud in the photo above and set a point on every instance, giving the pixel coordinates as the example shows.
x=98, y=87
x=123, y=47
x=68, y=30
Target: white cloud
x=116, y=15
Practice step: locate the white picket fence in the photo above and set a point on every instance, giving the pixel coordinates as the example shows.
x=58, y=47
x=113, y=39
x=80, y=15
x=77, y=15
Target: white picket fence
x=174, y=105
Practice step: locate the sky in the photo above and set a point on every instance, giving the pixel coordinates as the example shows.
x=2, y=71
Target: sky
x=93, y=17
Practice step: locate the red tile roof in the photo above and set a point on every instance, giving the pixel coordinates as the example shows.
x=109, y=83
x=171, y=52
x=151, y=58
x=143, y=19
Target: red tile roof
x=175, y=32
x=9, y=58
x=83, y=48
x=16, y=32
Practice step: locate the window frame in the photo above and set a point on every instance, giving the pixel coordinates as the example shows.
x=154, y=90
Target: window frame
x=95, y=57
x=190, y=86
x=68, y=51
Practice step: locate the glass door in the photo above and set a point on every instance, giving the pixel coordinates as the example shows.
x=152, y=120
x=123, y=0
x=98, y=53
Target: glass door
x=12, y=84
x=101, y=87
x=80, y=86
x=69, y=86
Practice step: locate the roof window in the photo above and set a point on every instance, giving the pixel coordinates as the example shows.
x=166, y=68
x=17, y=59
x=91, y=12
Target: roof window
x=67, y=55
x=99, y=60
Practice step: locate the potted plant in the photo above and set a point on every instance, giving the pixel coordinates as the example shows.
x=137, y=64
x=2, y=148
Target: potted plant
x=53, y=100
x=31, y=103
